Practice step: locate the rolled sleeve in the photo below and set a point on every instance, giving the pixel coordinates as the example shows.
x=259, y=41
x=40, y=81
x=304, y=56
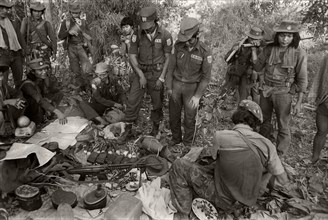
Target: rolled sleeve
x=206, y=74
x=134, y=44
x=168, y=42
x=275, y=166
x=301, y=76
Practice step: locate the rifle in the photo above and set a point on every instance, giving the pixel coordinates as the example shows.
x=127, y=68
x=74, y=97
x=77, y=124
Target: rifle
x=235, y=51
x=101, y=170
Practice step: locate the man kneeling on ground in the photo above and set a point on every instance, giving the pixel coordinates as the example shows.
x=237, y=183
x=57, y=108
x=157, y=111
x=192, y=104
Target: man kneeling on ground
x=244, y=163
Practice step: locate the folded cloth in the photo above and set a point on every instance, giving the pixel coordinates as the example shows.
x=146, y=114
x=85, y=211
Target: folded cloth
x=12, y=36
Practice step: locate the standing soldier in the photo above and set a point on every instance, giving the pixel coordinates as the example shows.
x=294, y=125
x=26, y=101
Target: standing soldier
x=285, y=73
x=188, y=76
x=149, y=55
x=240, y=72
x=75, y=32
x=12, y=44
x=39, y=34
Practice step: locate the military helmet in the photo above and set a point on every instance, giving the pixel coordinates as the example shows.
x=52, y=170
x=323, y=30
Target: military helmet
x=253, y=108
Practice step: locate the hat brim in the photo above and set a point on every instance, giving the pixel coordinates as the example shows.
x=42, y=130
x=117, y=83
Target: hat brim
x=38, y=9
x=146, y=25
x=155, y=172
x=284, y=30
x=100, y=72
x=254, y=36
x=183, y=37
x=8, y=5
x=41, y=67
x=75, y=10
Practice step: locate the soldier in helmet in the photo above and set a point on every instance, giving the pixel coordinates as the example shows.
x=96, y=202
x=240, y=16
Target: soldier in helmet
x=250, y=157
x=188, y=76
x=149, y=56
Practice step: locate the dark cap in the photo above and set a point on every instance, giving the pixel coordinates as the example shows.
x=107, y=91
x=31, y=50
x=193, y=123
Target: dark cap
x=148, y=15
x=255, y=33
x=287, y=26
x=189, y=26
x=37, y=64
x=74, y=8
x=37, y=6
x=6, y=3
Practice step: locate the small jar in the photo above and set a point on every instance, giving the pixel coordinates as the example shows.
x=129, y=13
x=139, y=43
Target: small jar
x=29, y=197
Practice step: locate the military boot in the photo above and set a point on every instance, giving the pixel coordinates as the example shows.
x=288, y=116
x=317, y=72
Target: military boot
x=155, y=130
x=124, y=137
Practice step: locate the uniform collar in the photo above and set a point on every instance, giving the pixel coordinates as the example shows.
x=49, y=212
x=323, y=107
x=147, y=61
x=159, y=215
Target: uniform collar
x=183, y=44
x=242, y=126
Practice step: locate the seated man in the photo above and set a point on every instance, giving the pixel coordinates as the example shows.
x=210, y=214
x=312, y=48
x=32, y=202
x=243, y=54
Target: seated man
x=11, y=104
x=244, y=162
x=39, y=97
x=107, y=91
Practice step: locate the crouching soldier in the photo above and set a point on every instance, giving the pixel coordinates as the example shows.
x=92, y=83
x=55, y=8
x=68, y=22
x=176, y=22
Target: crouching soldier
x=12, y=105
x=107, y=93
x=243, y=163
x=39, y=97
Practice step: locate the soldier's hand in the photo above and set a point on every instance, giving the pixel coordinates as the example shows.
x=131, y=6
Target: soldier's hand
x=143, y=82
x=118, y=105
x=73, y=32
x=297, y=108
x=158, y=84
x=256, y=43
x=169, y=93
x=194, y=102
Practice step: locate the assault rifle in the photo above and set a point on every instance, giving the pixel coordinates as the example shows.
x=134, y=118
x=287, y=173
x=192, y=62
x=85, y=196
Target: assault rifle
x=101, y=170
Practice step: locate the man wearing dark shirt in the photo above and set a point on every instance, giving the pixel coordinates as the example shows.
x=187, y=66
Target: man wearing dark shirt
x=12, y=44
x=149, y=56
x=76, y=32
x=188, y=76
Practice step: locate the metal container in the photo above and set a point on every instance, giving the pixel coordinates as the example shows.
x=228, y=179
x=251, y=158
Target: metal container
x=29, y=197
x=96, y=199
x=61, y=196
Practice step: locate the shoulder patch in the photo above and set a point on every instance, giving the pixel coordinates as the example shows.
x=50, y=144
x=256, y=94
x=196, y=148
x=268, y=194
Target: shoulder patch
x=209, y=59
x=169, y=42
x=134, y=38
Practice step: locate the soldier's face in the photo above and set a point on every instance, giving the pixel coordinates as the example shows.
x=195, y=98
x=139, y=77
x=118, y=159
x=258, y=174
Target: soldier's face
x=151, y=29
x=41, y=73
x=3, y=12
x=285, y=39
x=126, y=29
x=75, y=15
x=36, y=14
x=191, y=42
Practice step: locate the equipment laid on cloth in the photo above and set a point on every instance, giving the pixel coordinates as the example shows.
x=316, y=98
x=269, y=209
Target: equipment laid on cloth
x=26, y=131
x=60, y=196
x=204, y=210
x=96, y=199
x=125, y=207
x=29, y=197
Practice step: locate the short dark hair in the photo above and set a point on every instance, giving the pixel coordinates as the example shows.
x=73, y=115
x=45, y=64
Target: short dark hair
x=243, y=116
x=295, y=43
x=127, y=21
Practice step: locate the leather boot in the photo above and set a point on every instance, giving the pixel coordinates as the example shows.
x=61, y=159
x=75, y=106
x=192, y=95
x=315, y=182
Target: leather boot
x=124, y=137
x=155, y=130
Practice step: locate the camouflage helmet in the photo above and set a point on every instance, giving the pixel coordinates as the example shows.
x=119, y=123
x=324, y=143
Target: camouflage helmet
x=253, y=108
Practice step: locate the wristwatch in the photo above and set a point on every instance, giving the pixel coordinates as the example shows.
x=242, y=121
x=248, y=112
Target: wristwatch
x=161, y=79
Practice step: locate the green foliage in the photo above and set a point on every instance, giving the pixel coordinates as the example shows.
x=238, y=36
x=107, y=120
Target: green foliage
x=316, y=13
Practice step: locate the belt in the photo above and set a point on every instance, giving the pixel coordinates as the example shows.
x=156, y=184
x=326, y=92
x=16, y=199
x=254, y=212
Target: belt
x=273, y=84
x=147, y=67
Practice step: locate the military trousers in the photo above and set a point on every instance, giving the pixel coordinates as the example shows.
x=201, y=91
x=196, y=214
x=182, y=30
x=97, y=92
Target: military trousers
x=136, y=95
x=281, y=104
x=181, y=96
